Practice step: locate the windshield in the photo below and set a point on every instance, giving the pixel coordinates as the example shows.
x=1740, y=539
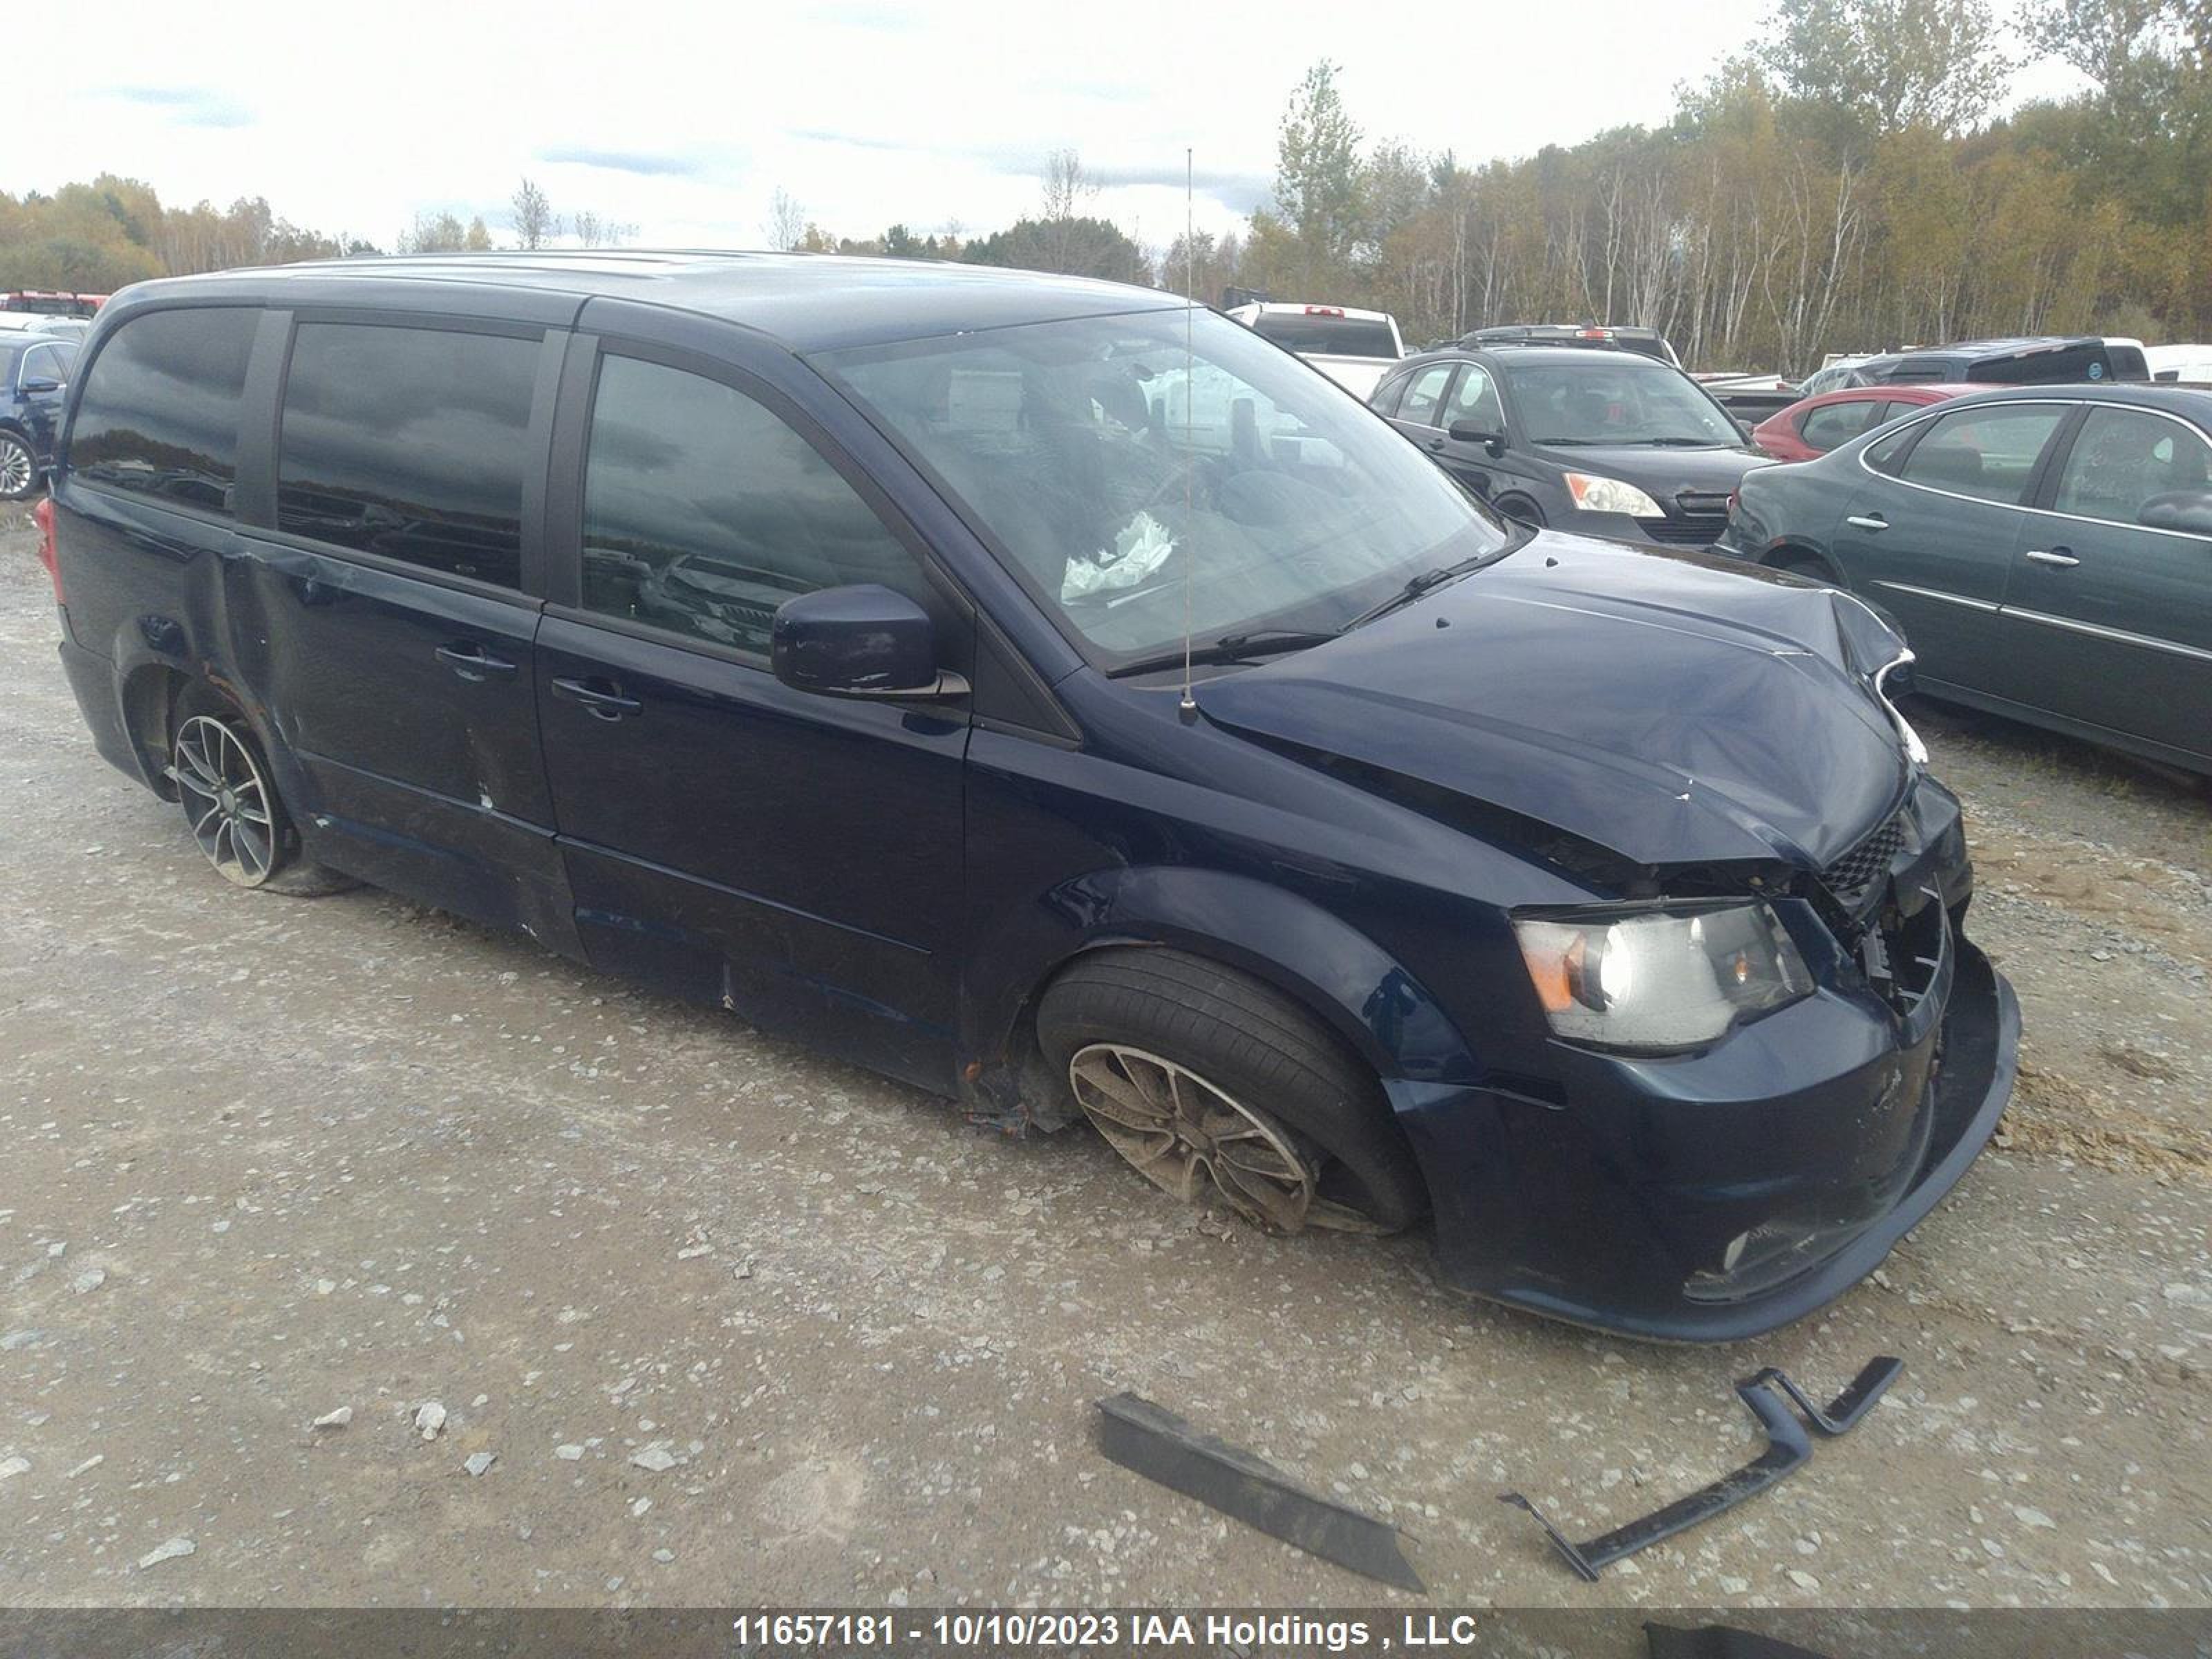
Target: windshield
x=1318, y=335
x=1612, y=399
x=1292, y=507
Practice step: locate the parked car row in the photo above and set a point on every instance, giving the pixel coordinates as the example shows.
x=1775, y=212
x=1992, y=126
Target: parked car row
x=2046, y=550
x=1065, y=701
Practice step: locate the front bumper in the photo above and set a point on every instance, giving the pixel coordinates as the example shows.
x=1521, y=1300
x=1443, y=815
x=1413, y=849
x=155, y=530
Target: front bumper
x=1710, y=1197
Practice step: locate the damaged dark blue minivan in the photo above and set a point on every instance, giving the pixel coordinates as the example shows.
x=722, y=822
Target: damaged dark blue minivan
x=809, y=637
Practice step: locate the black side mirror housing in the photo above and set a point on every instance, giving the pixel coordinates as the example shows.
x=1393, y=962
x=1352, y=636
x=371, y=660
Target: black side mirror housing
x=2188, y=511
x=863, y=641
x=1473, y=432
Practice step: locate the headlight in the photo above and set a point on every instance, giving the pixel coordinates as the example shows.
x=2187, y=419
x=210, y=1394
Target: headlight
x=1660, y=979
x=1594, y=494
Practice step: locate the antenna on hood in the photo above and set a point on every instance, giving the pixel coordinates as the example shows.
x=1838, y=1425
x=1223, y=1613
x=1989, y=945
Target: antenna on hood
x=1189, y=707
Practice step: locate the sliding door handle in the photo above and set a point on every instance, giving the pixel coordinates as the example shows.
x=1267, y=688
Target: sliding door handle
x=472, y=662
x=601, y=698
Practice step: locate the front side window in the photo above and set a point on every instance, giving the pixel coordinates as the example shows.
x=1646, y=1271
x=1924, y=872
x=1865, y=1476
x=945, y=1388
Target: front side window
x=1580, y=398
x=44, y=363
x=1123, y=479
x=2123, y=460
x=159, y=414
x=412, y=443
x=704, y=511
x=1475, y=398
x=1987, y=454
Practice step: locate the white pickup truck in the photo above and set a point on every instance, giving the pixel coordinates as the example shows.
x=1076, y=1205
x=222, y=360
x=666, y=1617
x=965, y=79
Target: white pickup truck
x=1355, y=349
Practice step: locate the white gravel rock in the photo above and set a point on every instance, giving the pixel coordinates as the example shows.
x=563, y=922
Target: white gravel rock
x=430, y=1417
x=168, y=1551
x=90, y=1279
x=336, y=1419
x=479, y=1462
x=655, y=1458
x=14, y=1467
x=569, y=1453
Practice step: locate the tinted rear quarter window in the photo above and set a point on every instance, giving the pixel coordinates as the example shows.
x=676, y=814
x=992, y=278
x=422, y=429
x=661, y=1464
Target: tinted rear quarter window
x=2086, y=362
x=159, y=412
x=411, y=443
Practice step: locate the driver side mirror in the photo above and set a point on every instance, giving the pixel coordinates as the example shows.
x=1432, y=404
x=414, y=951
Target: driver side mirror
x=863, y=641
x=1473, y=432
x=2189, y=511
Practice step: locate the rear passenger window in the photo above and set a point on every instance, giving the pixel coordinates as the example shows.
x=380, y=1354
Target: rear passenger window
x=409, y=442
x=159, y=413
x=1425, y=394
x=703, y=511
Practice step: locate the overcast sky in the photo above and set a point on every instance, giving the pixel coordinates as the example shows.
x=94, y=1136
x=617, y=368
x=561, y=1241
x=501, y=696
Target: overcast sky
x=684, y=119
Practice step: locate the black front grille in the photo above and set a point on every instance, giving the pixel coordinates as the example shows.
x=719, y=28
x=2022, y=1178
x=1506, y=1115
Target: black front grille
x=1857, y=876
x=1698, y=530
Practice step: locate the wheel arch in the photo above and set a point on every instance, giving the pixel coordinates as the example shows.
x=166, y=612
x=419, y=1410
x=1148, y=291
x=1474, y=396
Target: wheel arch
x=1378, y=1009
x=1794, y=555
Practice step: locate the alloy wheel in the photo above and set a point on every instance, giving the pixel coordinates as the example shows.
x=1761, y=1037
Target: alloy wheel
x=15, y=472
x=1192, y=1138
x=225, y=798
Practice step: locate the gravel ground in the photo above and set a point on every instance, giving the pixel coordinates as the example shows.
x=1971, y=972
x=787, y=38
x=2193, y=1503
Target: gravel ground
x=707, y=1320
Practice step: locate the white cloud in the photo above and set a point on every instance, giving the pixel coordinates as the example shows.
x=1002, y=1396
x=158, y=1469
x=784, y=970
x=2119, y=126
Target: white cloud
x=683, y=119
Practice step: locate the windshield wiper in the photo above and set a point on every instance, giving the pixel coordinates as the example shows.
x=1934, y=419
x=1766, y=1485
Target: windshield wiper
x=1684, y=443
x=1427, y=581
x=1229, y=647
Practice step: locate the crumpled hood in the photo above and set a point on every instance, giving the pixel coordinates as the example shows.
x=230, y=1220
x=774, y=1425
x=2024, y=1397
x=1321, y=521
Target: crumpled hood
x=1670, y=707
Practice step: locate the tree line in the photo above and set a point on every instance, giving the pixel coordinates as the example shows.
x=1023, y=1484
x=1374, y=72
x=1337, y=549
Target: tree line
x=1845, y=183
x=1842, y=185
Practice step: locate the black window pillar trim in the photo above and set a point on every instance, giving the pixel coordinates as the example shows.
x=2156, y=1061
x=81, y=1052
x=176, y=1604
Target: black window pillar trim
x=2042, y=489
x=563, y=574
x=253, y=497
x=537, y=560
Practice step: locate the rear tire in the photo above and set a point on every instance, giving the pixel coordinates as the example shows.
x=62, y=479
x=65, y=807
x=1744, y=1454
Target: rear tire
x=19, y=468
x=1221, y=1091
x=230, y=802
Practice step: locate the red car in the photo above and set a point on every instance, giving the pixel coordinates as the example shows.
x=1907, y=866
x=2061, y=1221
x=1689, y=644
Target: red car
x=1816, y=425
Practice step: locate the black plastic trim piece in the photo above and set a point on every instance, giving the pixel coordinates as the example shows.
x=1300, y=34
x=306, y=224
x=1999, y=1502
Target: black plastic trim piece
x=1160, y=1446
x=1788, y=1449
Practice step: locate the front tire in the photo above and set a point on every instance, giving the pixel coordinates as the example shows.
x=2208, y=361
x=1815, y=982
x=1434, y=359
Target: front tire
x=231, y=804
x=1222, y=1091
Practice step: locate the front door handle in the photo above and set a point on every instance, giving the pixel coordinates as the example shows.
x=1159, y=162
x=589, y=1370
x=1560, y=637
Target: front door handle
x=2057, y=556
x=1867, y=521
x=472, y=662
x=603, y=699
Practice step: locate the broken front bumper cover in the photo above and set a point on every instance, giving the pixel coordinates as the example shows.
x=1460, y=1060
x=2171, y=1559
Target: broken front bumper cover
x=1601, y=1213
